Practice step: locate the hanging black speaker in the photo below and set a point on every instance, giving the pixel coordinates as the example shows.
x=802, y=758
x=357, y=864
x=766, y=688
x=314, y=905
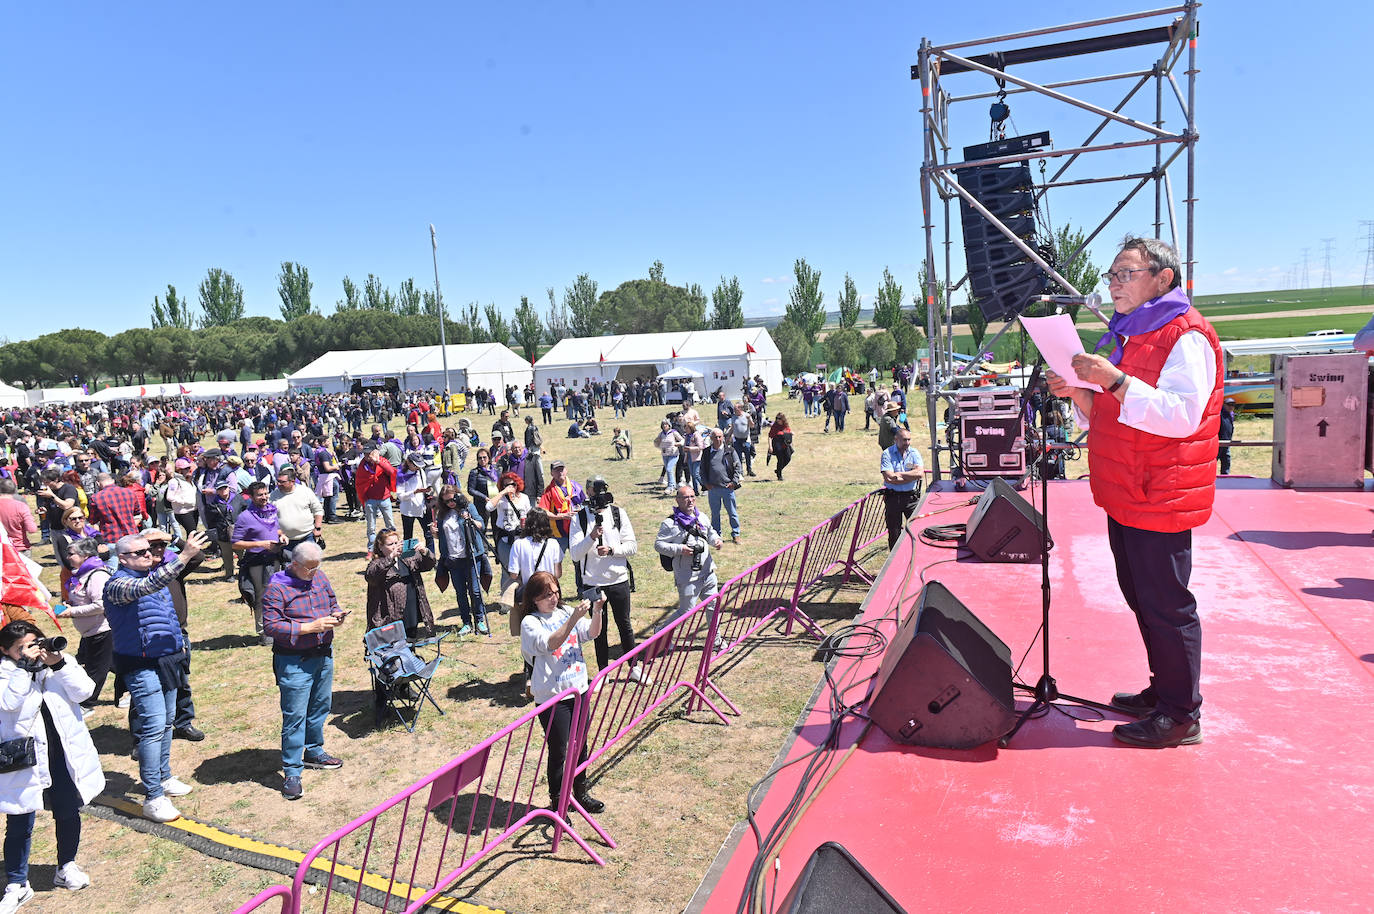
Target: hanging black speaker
x=1001, y=276
x=945, y=679
x=1004, y=527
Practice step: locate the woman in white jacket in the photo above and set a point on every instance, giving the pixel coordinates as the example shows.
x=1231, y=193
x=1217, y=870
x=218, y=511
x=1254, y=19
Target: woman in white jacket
x=39, y=695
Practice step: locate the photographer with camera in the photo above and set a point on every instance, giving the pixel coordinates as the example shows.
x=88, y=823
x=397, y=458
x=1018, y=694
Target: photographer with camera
x=684, y=542
x=601, y=543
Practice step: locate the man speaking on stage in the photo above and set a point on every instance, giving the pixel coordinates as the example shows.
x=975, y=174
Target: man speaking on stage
x=1152, y=445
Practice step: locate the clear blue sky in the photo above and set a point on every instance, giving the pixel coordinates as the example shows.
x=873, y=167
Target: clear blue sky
x=146, y=143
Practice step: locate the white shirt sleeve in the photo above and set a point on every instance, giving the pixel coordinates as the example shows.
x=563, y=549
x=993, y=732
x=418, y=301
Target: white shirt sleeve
x=1173, y=408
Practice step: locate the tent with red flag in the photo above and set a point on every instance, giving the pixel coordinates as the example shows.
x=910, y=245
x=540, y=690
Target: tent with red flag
x=720, y=358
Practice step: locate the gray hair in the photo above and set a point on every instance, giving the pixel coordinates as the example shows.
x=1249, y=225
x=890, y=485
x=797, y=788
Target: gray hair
x=306, y=552
x=127, y=541
x=7, y=487
x=1159, y=254
x=86, y=548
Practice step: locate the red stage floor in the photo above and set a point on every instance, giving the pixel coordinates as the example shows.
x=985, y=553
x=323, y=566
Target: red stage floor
x=1274, y=811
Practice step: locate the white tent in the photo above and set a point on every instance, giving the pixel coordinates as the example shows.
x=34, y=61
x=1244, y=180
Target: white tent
x=723, y=358
x=12, y=397
x=471, y=365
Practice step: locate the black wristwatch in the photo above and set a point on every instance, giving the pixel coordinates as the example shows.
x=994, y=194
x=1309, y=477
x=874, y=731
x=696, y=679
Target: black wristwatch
x=1120, y=379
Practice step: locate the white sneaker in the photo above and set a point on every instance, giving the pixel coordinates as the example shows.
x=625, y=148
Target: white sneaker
x=159, y=809
x=638, y=675
x=176, y=787
x=123, y=703
x=16, y=894
x=71, y=877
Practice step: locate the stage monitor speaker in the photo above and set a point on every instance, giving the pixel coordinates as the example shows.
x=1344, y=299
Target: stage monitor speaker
x=833, y=881
x=945, y=679
x=1004, y=527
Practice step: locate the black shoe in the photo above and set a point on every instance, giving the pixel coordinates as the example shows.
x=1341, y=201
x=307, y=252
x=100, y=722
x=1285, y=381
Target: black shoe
x=291, y=788
x=590, y=803
x=1139, y=704
x=1159, y=731
x=190, y=732
x=323, y=761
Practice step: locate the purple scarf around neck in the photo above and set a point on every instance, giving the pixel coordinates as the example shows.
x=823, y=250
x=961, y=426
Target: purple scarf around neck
x=1150, y=316
x=90, y=563
x=684, y=519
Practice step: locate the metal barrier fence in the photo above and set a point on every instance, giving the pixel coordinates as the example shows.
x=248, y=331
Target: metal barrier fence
x=675, y=662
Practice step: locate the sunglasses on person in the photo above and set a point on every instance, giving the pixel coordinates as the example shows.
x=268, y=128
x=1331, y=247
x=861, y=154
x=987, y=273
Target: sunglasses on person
x=139, y=552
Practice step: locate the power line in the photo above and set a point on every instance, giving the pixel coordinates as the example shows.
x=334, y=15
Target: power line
x=1305, y=283
x=1326, y=263
x=1368, y=226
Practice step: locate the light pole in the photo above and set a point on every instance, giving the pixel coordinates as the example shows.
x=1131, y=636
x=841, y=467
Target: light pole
x=439, y=304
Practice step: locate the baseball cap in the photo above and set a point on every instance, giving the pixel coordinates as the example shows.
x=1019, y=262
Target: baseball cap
x=556, y=464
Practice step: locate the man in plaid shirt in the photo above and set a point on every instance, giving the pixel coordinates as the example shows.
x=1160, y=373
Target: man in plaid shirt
x=299, y=614
x=116, y=510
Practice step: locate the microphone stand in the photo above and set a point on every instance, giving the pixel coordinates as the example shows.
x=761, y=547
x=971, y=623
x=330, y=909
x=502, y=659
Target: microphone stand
x=1045, y=690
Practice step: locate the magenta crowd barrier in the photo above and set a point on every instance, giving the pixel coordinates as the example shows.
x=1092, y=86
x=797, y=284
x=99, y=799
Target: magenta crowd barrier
x=444, y=824
x=260, y=901
x=441, y=826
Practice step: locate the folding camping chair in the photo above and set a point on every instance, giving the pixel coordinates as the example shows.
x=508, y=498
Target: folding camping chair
x=400, y=679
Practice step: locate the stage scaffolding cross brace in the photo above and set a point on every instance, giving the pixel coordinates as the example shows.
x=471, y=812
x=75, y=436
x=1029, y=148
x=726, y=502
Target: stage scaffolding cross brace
x=1176, y=29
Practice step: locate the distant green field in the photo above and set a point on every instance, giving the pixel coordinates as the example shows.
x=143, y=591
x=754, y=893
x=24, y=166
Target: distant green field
x=1263, y=328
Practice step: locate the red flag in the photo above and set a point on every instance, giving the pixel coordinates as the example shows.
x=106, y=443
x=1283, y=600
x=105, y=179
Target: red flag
x=532, y=360
x=143, y=391
x=749, y=348
x=674, y=353
x=184, y=389
x=18, y=586
x=603, y=356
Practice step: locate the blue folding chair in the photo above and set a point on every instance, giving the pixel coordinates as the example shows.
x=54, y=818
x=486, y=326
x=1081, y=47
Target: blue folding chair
x=400, y=678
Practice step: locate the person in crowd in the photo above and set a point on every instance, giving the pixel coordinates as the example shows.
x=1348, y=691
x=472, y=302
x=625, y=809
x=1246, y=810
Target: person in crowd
x=328, y=477
x=181, y=495
x=720, y=475
x=560, y=498
x=413, y=492
x=74, y=527
x=537, y=550
x=1156, y=420
x=55, y=496
x=1226, y=430
x=184, y=716
x=259, y=537
x=669, y=443
x=463, y=555
x=890, y=423
x=620, y=440
x=839, y=406
x=16, y=520
x=508, y=508
x=300, y=515
x=534, y=457
x=780, y=443
x=546, y=408
x=375, y=480
x=602, y=544
x=741, y=422
x=687, y=539
x=86, y=606
x=552, y=634
x=148, y=653
x=396, y=586
x=300, y=614
x=482, y=484
x=453, y=458
x=116, y=510
x=40, y=695
x=902, y=473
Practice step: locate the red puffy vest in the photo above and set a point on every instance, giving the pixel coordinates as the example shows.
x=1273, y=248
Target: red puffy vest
x=1149, y=481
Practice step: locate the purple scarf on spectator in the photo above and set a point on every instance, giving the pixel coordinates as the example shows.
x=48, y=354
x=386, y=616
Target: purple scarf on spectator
x=1150, y=316
x=684, y=520
x=91, y=562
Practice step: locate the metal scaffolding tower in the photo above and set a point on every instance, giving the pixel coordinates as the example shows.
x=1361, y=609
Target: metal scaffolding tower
x=938, y=66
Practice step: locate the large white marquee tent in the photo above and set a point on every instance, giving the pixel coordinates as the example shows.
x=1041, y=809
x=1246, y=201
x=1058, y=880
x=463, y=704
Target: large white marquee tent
x=470, y=365
x=723, y=358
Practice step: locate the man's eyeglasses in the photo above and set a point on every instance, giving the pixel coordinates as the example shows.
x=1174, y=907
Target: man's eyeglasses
x=1123, y=276
x=139, y=552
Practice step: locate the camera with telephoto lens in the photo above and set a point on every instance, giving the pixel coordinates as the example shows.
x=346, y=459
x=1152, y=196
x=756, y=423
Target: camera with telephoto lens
x=54, y=645
x=696, y=538
x=599, y=494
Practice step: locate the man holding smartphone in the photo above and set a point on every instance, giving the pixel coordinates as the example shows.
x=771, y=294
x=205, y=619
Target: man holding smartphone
x=300, y=613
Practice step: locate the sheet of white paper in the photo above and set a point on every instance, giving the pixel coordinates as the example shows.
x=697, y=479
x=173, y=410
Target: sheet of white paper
x=1058, y=342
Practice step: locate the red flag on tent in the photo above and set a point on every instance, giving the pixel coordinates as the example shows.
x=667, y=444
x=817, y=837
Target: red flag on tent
x=603, y=356
x=17, y=584
x=143, y=391
x=674, y=353
x=748, y=347
x=184, y=389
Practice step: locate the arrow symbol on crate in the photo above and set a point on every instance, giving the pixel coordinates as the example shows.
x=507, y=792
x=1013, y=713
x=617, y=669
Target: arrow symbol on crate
x=1321, y=429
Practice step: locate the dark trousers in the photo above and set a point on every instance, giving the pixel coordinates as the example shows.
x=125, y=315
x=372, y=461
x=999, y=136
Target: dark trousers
x=618, y=600
x=408, y=527
x=65, y=802
x=1224, y=455
x=1153, y=570
x=548, y=414
x=784, y=458
x=897, y=510
x=745, y=452
x=557, y=723
x=96, y=656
